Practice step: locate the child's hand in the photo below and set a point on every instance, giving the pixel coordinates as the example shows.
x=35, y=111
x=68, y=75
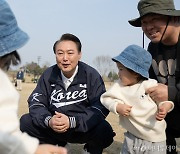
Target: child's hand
x=123, y=109
x=161, y=114
x=163, y=110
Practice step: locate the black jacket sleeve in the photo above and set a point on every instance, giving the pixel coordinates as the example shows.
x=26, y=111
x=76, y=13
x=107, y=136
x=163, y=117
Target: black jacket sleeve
x=38, y=103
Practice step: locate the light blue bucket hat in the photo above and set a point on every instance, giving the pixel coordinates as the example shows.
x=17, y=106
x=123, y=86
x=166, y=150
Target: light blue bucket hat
x=11, y=36
x=135, y=58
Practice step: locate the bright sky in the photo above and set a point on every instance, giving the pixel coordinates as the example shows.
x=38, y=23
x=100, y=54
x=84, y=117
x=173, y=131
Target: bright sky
x=101, y=25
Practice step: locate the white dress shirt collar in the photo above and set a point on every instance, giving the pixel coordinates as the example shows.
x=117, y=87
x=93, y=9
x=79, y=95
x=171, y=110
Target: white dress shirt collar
x=67, y=81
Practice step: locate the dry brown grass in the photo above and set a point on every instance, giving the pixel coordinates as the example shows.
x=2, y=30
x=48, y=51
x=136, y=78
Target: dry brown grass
x=27, y=88
x=76, y=148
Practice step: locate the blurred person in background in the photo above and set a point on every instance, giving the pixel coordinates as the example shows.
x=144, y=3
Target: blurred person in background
x=19, y=78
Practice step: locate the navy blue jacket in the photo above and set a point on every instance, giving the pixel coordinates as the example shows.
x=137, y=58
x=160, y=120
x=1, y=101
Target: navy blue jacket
x=20, y=75
x=81, y=102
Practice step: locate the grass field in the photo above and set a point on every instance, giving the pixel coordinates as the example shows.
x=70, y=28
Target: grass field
x=76, y=149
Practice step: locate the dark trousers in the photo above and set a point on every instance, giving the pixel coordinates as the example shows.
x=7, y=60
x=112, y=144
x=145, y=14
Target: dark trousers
x=171, y=134
x=95, y=140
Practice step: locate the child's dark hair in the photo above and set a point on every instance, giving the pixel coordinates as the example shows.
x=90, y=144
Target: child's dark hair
x=8, y=59
x=140, y=77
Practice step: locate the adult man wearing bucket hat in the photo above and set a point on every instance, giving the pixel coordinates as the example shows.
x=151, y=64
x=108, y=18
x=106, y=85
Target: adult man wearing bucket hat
x=12, y=140
x=160, y=22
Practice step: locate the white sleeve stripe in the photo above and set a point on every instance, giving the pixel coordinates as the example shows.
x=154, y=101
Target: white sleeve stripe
x=46, y=121
x=37, y=105
x=72, y=121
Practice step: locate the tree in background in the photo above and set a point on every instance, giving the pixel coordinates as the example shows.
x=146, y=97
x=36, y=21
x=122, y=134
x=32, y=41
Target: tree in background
x=113, y=76
x=105, y=67
x=35, y=69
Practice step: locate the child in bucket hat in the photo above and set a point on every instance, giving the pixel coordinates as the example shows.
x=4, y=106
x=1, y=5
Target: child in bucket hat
x=139, y=114
x=160, y=22
x=12, y=140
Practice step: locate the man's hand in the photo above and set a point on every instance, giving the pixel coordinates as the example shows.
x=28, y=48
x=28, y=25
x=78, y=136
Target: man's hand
x=123, y=109
x=59, y=122
x=158, y=93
